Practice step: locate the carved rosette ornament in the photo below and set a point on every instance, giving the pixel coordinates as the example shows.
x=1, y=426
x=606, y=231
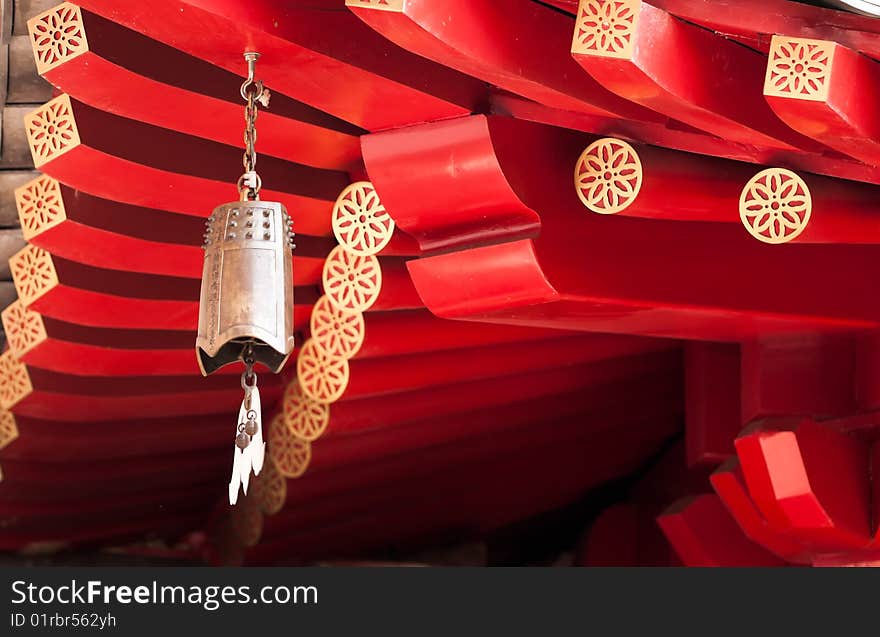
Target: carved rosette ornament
x=15, y=382
x=57, y=35
x=775, y=206
x=24, y=328
x=51, y=130
x=798, y=68
x=338, y=333
x=8, y=428
x=290, y=454
x=40, y=206
x=608, y=176
x=605, y=28
x=304, y=416
x=360, y=221
x=270, y=488
x=33, y=273
x=352, y=282
x=322, y=376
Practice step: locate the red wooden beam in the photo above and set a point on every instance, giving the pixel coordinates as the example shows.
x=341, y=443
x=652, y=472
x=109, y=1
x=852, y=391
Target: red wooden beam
x=77, y=293
x=469, y=500
x=599, y=402
x=712, y=400
x=729, y=484
x=331, y=49
x=107, y=478
x=646, y=55
x=107, y=234
x=453, y=33
x=373, y=376
x=348, y=483
x=378, y=376
x=118, y=70
x=348, y=416
x=704, y=534
x=93, y=151
x=454, y=161
x=571, y=278
x=413, y=331
x=397, y=291
x=811, y=483
x=806, y=376
x=41, y=393
x=58, y=441
x=31, y=515
x=85, y=351
x=686, y=139
x=823, y=89
x=749, y=21
x=775, y=205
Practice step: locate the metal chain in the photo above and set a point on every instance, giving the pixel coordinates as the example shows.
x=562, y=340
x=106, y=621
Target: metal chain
x=252, y=91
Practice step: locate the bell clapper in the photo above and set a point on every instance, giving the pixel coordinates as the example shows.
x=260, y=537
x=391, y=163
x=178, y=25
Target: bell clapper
x=249, y=445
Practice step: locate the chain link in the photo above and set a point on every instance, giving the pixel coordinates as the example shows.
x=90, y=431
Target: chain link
x=253, y=92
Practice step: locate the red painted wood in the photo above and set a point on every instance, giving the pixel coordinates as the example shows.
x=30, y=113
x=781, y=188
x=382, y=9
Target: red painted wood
x=729, y=484
x=117, y=236
x=571, y=276
x=397, y=292
x=358, y=415
x=686, y=139
x=690, y=74
x=112, y=298
x=406, y=469
x=599, y=403
x=413, y=331
x=842, y=120
x=467, y=500
x=447, y=184
x=453, y=33
x=81, y=399
x=867, y=381
x=181, y=173
x=55, y=441
x=752, y=18
x=703, y=534
x=128, y=74
x=85, y=351
x=112, y=478
x=572, y=280
x=812, y=484
x=799, y=377
x=374, y=376
x=32, y=515
x=384, y=86
x=712, y=400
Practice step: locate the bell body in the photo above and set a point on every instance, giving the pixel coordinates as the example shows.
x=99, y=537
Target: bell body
x=247, y=286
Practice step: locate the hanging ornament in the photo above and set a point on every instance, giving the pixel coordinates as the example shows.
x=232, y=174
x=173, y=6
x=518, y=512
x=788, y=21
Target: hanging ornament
x=246, y=303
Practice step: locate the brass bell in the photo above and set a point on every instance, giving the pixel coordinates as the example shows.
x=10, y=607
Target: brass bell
x=247, y=286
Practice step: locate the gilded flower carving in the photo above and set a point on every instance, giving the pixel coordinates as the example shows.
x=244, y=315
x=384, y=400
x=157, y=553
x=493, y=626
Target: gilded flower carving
x=798, y=68
x=608, y=176
x=351, y=282
x=606, y=27
x=775, y=205
x=360, y=221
